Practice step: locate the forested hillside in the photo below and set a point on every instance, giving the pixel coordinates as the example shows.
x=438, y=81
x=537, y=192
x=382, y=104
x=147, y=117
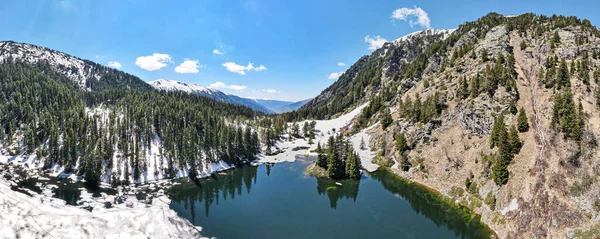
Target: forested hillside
x=117, y=128
x=501, y=115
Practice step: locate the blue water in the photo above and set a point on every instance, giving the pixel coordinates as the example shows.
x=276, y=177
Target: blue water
x=281, y=201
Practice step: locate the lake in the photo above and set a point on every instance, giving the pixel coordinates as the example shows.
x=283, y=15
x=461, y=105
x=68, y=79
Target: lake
x=281, y=201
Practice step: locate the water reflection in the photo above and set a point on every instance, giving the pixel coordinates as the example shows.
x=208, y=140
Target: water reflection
x=348, y=189
x=434, y=206
x=211, y=191
x=285, y=199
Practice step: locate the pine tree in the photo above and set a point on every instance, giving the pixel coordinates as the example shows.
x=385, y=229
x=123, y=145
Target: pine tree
x=321, y=157
x=335, y=166
x=513, y=107
x=498, y=129
x=401, y=145
x=563, y=77
x=475, y=84
x=484, y=55
x=514, y=140
x=386, y=119
x=353, y=165
x=464, y=89
x=362, y=144
x=404, y=164
x=556, y=38
x=522, y=121
x=500, y=172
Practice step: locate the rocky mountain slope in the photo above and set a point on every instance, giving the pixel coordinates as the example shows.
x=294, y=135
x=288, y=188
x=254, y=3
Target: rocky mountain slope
x=444, y=108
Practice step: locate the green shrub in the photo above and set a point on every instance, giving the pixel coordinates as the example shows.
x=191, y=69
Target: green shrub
x=490, y=200
x=456, y=191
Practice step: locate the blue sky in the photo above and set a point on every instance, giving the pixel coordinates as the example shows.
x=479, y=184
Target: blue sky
x=294, y=46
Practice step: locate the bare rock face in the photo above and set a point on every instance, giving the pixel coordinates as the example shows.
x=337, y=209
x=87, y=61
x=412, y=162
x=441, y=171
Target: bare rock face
x=475, y=118
x=466, y=39
x=478, y=116
x=495, y=41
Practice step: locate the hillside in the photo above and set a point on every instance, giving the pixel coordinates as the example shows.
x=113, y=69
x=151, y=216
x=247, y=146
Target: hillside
x=500, y=115
x=262, y=105
x=73, y=116
x=84, y=73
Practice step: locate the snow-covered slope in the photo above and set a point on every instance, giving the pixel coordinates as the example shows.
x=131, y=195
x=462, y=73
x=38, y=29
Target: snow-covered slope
x=263, y=105
x=79, y=70
x=41, y=216
x=324, y=129
x=70, y=66
x=171, y=85
x=427, y=32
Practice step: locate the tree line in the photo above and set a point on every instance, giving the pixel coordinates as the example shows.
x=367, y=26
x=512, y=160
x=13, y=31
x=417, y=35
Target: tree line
x=48, y=114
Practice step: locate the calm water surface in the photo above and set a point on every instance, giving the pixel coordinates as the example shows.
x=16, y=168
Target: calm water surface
x=281, y=201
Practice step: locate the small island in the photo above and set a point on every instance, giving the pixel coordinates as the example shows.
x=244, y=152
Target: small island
x=336, y=160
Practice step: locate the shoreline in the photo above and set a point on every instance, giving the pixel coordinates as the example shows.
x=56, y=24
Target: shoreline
x=442, y=196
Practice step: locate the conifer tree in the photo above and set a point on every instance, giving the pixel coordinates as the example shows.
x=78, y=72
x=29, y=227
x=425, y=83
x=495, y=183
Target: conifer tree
x=386, y=119
x=362, y=144
x=500, y=168
x=498, y=129
x=464, y=88
x=522, y=121
x=513, y=107
x=563, y=76
x=321, y=157
x=484, y=55
x=404, y=164
x=475, y=84
x=401, y=145
x=514, y=140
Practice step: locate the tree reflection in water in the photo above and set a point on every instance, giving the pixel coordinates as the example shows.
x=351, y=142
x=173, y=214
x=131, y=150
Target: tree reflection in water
x=348, y=189
x=210, y=191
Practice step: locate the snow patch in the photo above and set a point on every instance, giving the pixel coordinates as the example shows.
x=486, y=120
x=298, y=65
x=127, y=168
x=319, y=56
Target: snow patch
x=514, y=205
x=290, y=150
x=39, y=216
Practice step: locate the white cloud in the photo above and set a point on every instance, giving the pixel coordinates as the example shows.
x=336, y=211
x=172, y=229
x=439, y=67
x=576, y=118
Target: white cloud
x=271, y=91
x=335, y=75
x=406, y=13
x=154, y=62
x=341, y=64
x=221, y=85
x=99, y=56
x=188, y=67
x=260, y=68
x=217, y=52
x=114, y=64
x=375, y=42
x=233, y=67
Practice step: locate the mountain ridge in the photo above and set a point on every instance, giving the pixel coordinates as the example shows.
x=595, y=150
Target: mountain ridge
x=263, y=105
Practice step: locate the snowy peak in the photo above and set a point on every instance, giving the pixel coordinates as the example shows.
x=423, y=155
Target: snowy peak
x=171, y=85
x=73, y=67
x=428, y=32
x=87, y=74
x=263, y=105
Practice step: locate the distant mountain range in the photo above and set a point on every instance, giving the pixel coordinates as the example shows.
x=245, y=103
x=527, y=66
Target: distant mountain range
x=263, y=105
